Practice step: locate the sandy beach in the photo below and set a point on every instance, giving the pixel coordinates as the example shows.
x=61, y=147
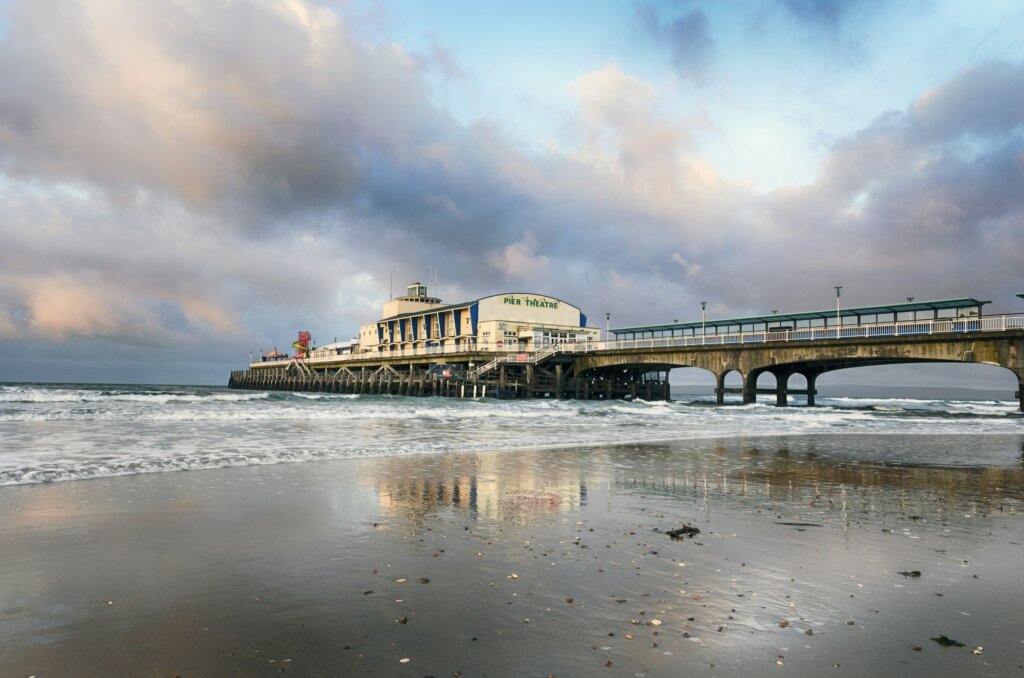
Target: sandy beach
x=526, y=563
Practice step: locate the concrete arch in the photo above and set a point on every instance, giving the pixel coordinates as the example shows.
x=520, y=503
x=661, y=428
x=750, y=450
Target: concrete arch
x=721, y=388
x=1018, y=374
x=812, y=358
x=698, y=377
x=811, y=370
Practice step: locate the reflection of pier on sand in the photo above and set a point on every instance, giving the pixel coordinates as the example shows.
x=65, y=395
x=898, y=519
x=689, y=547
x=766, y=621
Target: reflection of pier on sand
x=858, y=481
x=483, y=486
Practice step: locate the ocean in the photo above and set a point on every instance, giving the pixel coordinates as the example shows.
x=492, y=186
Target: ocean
x=51, y=433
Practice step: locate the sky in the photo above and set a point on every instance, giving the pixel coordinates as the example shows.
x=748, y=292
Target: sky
x=185, y=181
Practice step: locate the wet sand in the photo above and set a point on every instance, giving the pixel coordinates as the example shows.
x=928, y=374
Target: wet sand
x=531, y=563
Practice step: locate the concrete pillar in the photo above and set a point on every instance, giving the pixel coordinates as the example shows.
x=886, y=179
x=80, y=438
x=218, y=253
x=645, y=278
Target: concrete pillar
x=811, y=377
x=720, y=388
x=750, y=388
x=1020, y=390
x=781, y=388
x=558, y=381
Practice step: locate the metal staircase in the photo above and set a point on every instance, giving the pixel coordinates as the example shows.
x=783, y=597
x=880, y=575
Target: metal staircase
x=519, y=358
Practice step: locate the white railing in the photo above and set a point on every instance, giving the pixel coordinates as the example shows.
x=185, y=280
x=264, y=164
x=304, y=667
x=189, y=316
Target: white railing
x=999, y=323
x=881, y=330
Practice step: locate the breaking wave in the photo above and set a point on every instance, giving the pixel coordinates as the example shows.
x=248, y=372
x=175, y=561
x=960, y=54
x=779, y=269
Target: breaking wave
x=73, y=432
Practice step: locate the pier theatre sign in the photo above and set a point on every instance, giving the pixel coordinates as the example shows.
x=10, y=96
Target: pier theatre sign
x=529, y=301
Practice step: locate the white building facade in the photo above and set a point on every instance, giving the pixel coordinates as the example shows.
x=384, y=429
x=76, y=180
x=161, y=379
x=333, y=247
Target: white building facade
x=514, y=321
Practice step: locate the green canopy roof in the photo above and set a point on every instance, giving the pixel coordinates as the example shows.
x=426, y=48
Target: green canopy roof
x=778, y=318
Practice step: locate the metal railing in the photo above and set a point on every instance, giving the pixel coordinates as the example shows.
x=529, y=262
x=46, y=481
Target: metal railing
x=881, y=330
x=531, y=358
x=910, y=328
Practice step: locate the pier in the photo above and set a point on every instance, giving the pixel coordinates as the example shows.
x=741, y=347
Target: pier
x=636, y=365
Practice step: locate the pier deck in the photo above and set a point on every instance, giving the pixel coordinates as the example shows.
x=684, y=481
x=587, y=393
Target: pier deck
x=640, y=368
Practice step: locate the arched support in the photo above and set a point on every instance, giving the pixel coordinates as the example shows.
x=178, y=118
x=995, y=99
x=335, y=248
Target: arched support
x=782, y=386
x=810, y=374
x=811, y=359
x=721, y=389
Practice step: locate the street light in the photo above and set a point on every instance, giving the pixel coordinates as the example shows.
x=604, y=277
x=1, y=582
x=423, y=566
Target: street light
x=607, y=322
x=839, y=322
x=703, y=322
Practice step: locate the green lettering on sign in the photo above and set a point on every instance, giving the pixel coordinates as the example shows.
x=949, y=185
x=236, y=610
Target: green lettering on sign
x=531, y=302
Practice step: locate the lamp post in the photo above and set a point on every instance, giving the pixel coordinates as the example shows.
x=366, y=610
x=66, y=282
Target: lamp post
x=703, y=322
x=839, y=321
x=607, y=323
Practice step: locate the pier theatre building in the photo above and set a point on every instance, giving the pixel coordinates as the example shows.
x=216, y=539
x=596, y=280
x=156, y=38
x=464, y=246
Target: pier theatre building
x=501, y=322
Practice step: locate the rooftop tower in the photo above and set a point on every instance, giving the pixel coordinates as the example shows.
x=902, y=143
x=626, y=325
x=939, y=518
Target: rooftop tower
x=415, y=299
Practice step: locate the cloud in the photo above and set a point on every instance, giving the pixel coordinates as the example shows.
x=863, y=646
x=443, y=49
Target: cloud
x=648, y=161
x=520, y=259
x=836, y=23
x=63, y=307
x=197, y=180
x=688, y=38
x=445, y=61
x=908, y=193
x=820, y=13
x=273, y=107
x=688, y=269
x=8, y=326
x=983, y=100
